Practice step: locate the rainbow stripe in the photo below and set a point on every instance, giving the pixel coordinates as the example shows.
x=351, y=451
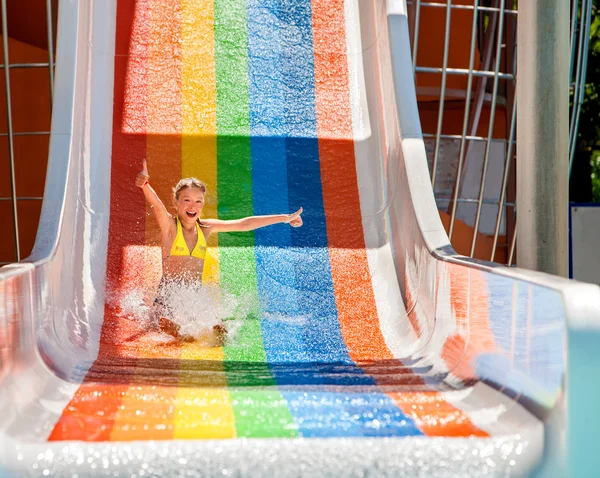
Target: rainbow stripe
x=253, y=97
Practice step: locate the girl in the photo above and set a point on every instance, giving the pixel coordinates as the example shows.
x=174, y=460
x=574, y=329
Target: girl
x=184, y=237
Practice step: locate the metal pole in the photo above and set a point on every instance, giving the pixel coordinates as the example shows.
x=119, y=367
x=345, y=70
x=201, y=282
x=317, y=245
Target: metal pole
x=503, y=188
x=11, y=150
x=436, y=150
x=578, y=100
x=416, y=35
x=574, y=10
x=543, y=135
x=50, y=48
x=466, y=116
x=488, y=145
x=577, y=83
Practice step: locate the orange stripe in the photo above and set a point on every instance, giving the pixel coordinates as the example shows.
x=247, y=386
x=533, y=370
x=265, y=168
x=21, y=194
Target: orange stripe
x=434, y=415
x=355, y=300
x=90, y=414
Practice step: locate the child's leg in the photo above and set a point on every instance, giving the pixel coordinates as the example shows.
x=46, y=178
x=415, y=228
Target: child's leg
x=160, y=310
x=171, y=328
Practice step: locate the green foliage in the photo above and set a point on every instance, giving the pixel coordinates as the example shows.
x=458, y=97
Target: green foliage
x=589, y=123
x=595, y=163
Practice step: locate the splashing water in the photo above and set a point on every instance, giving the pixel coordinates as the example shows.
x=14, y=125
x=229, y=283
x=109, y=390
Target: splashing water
x=195, y=308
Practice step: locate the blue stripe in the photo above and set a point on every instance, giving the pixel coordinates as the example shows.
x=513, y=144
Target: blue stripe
x=316, y=300
x=301, y=331
x=274, y=260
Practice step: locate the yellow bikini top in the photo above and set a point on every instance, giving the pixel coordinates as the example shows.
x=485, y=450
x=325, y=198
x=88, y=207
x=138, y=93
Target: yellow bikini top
x=180, y=248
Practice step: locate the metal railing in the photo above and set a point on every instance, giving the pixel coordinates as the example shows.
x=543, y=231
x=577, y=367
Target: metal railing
x=489, y=21
x=580, y=28
x=11, y=133
x=460, y=169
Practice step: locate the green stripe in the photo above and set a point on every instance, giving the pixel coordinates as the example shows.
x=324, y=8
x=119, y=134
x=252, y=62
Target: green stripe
x=258, y=412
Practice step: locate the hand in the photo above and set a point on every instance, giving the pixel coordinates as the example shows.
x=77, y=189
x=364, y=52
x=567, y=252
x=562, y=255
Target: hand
x=142, y=177
x=294, y=219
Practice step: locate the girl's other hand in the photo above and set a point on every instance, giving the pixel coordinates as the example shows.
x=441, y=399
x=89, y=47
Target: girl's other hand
x=294, y=219
x=142, y=177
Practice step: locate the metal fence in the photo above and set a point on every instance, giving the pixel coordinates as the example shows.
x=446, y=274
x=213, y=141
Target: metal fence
x=10, y=134
x=473, y=174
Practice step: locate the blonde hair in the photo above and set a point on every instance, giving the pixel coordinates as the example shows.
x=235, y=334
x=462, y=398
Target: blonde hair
x=188, y=183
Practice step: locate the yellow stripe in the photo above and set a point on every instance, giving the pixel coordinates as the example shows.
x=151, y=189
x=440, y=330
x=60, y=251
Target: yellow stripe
x=199, y=109
x=201, y=412
x=204, y=413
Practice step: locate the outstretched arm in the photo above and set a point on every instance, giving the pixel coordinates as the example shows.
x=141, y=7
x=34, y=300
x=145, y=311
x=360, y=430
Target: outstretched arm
x=165, y=220
x=253, y=222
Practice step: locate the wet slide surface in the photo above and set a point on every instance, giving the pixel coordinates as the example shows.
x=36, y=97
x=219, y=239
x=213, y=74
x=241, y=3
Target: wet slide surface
x=254, y=98
x=359, y=341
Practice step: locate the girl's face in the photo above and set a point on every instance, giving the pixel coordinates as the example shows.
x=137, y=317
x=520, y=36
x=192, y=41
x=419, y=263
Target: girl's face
x=189, y=205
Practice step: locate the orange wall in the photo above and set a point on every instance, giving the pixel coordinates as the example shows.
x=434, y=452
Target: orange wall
x=430, y=53
x=452, y=122
x=30, y=104
x=462, y=237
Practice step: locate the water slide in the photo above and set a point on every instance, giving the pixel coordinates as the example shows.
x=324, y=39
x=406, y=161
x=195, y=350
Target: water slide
x=360, y=344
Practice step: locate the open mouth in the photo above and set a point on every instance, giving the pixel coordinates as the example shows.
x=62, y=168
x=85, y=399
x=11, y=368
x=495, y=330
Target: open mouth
x=191, y=215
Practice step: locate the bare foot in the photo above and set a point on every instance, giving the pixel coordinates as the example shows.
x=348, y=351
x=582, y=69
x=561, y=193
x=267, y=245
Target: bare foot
x=171, y=328
x=220, y=333
x=168, y=326
x=187, y=338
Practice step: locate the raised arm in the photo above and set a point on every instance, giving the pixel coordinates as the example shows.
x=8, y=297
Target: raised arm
x=165, y=220
x=253, y=222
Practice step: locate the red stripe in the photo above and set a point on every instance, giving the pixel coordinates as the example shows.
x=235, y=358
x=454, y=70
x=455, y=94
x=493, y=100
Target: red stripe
x=355, y=299
x=92, y=413
x=145, y=405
